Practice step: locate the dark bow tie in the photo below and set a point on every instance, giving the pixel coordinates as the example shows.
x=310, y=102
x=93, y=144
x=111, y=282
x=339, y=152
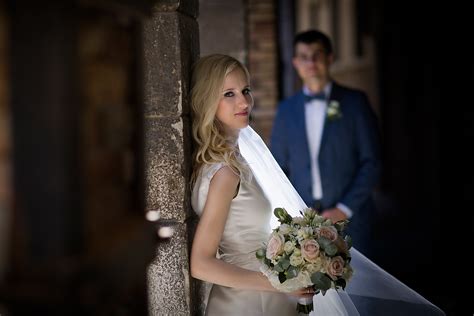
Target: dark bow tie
x=318, y=96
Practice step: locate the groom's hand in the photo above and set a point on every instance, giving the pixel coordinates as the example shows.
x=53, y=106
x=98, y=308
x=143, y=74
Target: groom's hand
x=334, y=214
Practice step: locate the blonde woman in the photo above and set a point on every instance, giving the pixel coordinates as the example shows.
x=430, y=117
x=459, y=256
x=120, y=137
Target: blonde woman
x=234, y=212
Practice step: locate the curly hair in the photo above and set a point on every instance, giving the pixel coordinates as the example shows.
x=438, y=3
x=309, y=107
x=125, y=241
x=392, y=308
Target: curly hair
x=207, y=82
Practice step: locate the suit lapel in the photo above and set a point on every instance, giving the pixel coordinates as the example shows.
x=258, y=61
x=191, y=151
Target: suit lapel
x=334, y=96
x=300, y=124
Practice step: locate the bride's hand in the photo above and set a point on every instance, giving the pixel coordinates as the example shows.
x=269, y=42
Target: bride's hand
x=307, y=292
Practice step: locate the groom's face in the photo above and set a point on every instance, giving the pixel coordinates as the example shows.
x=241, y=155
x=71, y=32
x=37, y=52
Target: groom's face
x=311, y=61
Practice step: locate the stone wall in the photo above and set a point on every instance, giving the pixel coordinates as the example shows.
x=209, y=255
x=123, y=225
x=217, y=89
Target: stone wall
x=171, y=45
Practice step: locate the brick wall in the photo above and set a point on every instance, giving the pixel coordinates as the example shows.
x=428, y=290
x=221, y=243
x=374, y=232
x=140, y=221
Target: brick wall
x=261, y=22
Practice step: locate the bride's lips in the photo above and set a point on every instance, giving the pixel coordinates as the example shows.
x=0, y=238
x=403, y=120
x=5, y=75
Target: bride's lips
x=244, y=113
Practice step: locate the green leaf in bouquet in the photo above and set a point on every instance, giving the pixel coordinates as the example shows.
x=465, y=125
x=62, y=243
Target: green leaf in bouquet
x=345, y=255
x=284, y=263
x=268, y=262
x=304, y=309
x=348, y=241
x=340, y=283
x=281, y=277
x=328, y=246
x=321, y=281
x=282, y=215
x=327, y=222
x=324, y=242
x=278, y=268
x=330, y=249
x=292, y=272
x=318, y=220
x=260, y=254
x=341, y=225
x=348, y=272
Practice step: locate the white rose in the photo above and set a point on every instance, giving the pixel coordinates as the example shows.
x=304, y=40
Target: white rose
x=296, y=259
x=315, y=266
x=298, y=220
x=284, y=229
x=304, y=233
x=304, y=278
x=289, y=246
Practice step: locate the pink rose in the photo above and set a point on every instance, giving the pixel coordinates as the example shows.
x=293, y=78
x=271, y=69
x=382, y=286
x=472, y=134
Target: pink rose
x=275, y=246
x=335, y=267
x=310, y=250
x=329, y=232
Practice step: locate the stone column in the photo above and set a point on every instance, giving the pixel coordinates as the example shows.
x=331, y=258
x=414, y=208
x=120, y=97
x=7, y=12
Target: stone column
x=325, y=18
x=347, y=38
x=304, y=15
x=171, y=45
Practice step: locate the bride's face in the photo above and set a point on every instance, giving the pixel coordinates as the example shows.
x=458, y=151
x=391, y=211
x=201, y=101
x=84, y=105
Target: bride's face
x=235, y=103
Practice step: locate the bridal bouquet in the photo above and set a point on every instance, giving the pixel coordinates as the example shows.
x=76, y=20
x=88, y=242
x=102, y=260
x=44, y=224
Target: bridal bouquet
x=306, y=251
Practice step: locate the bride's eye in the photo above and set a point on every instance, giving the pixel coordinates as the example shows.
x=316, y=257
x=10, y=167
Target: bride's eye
x=229, y=94
x=247, y=91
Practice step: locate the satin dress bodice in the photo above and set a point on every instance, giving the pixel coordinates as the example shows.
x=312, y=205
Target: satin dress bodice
x=246, y=229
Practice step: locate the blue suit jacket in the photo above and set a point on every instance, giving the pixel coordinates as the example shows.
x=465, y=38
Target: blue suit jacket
x=349, y=155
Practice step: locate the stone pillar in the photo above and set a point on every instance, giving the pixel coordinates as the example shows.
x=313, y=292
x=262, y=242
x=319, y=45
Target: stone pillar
x=304, y=15
x=347, y=36
x=171, y=45
x=325, y=18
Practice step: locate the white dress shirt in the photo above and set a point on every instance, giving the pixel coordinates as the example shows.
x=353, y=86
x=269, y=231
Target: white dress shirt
x=315, y=115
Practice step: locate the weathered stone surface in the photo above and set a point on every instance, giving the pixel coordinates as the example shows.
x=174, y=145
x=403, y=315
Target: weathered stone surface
x=188, y=7
x=168, y=276
x=170, y=41
x=189, y=32
x=164, y=167
x=171, y=45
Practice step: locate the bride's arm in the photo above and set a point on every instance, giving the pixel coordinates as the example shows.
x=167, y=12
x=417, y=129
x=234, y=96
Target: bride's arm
x=204, y=264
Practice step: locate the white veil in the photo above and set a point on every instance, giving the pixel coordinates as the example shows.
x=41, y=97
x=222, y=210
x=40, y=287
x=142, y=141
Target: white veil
x=371, y=291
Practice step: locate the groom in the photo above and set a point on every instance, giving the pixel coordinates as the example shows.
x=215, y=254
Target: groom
x=326, y=140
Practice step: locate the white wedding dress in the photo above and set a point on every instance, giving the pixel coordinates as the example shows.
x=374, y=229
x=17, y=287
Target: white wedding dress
x=247, y=227
x=371, y=291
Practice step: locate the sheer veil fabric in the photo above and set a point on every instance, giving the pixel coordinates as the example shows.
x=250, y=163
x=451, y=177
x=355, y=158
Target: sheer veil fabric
x=371, y=291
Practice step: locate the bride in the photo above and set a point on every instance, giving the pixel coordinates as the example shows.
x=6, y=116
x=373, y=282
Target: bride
x=236, y=184
x=234, y=212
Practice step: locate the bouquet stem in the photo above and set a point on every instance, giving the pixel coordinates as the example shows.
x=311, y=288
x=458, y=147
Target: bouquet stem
x=304, y=306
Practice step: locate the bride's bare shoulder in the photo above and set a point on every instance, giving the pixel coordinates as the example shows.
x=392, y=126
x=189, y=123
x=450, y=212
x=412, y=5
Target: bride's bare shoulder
x=226, y=175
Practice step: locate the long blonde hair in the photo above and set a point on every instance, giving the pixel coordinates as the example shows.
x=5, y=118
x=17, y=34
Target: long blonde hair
x=207, y=83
